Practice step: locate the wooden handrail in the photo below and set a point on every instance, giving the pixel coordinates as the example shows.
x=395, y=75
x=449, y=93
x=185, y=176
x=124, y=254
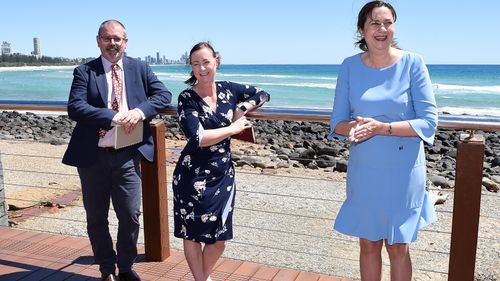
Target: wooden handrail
x=446, y=121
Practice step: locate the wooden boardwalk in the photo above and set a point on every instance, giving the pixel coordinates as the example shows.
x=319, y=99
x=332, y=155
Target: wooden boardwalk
x=30, y=255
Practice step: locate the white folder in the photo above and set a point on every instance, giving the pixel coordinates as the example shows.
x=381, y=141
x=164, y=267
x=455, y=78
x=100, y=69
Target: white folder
x=122, y=139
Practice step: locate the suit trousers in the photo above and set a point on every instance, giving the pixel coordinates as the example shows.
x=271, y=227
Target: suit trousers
x=115, y=177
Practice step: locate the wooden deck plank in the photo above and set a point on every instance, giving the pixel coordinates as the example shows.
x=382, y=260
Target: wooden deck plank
x=30, y=255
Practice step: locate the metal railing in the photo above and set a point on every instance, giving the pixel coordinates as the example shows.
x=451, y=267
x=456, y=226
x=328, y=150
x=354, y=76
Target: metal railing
x=468, y=181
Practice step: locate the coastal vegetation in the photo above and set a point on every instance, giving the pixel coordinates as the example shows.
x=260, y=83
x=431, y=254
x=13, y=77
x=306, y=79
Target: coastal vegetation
x=29, y=60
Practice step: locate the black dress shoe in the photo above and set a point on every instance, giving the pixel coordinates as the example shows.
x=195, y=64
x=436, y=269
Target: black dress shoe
x=109, y=277
x=129, y=276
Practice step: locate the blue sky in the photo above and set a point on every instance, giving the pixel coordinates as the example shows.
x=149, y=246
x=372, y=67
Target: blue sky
x=254, y=31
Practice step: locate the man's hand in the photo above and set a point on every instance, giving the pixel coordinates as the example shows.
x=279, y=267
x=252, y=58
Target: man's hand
x=129, y=119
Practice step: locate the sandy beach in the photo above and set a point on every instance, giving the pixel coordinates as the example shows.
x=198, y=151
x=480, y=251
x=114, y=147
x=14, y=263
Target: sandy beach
x=34, y=68
x=282, y=217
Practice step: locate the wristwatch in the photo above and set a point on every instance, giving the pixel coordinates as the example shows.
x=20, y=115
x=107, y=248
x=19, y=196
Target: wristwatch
x=243, y=108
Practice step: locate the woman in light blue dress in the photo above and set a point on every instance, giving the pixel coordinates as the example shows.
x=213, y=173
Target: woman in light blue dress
x=384, y=105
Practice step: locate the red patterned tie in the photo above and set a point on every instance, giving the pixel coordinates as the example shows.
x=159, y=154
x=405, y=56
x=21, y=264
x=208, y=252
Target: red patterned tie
x=117, y=92
x=117, y=87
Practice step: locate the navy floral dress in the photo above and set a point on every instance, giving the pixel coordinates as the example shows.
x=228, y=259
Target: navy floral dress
x=203, y=179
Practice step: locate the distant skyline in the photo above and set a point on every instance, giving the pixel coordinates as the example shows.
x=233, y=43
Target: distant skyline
x=253, y=32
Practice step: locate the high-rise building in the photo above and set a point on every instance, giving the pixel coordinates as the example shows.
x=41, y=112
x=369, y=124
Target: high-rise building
x=158, y=58
x=184, y=58
x=37, y=50
x=6, y=50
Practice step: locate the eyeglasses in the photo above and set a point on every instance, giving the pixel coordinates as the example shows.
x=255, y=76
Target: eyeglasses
x=108, y=39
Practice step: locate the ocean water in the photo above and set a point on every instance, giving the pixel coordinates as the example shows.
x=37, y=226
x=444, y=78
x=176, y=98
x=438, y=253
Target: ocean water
x=471, y=89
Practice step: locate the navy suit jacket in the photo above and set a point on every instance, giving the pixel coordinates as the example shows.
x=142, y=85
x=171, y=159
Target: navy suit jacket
x=87, y=106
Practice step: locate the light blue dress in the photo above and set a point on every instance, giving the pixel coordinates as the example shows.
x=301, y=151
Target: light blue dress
x=386, y=175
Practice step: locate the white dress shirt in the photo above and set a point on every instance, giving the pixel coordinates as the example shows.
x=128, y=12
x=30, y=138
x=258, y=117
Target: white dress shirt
x=108, y=139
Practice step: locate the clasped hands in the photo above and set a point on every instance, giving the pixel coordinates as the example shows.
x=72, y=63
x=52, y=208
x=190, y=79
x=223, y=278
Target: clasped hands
x=364, y=129
x=128, y=119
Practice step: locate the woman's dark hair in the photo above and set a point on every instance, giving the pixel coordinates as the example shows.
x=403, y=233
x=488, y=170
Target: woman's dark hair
x=364, y=14
x=192, y=80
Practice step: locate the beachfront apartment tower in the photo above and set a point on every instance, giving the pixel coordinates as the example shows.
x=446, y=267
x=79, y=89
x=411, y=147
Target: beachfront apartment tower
x=6, y=50
x=37, y=50
x=184, y=58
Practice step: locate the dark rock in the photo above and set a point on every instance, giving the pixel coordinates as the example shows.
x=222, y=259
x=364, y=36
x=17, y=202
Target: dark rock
x=433, y=157
x=328, y=150
x=283, y=156
x=325, y=161
x=235, y=157
x=307, y=144
x=308, y=153
x=56, y=141
x=447, y=164
x=341, y=166
x=282, y=150
x=495, y=162
x=434, y=150
x=490, y=185
x=241, y=163
x=299, y=150
x=488, y=151
x=312, y=166
x=439, y=181
x=254, y=161
x=452, y=152
x=283, y=164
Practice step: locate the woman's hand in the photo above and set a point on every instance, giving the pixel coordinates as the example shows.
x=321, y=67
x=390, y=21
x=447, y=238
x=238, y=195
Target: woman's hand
x=240, y=124
x=364, y=129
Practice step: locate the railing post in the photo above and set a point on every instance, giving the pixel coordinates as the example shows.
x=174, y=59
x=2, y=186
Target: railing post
x=466, y=207
x=4, y=221
x=154, y=198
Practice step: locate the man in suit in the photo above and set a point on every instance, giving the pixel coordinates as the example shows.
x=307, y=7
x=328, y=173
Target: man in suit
x=109, y=91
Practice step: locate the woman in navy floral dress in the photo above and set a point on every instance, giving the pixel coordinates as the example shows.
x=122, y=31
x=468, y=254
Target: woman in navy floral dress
x=210, y=112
